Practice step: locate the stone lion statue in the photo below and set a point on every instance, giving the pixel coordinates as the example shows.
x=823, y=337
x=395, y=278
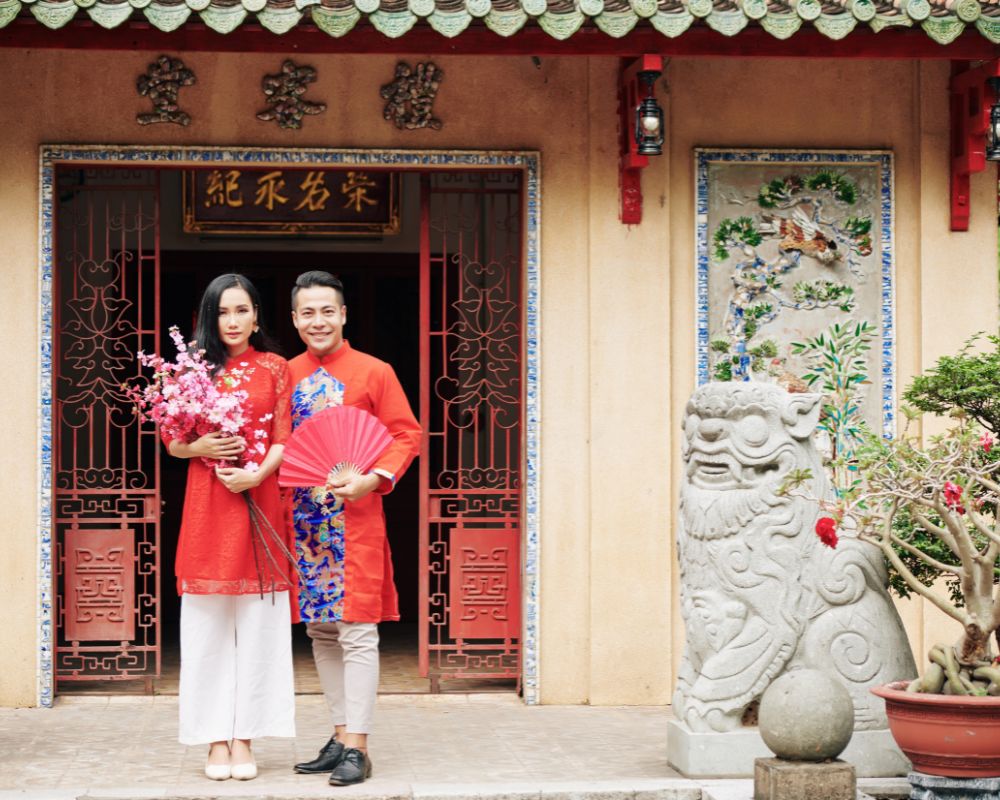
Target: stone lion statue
x=760, y=593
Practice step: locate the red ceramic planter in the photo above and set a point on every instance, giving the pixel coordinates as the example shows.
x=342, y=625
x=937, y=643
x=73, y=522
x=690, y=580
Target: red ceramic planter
x=957, y=737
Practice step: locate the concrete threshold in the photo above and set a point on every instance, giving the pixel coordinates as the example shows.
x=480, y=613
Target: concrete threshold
x=376, y=789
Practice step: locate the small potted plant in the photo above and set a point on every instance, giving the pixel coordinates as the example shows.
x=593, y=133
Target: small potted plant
x=933, y=509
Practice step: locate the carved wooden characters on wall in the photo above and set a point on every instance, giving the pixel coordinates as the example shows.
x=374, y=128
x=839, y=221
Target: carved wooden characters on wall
x=283, y=94
x=411, y=96
x=162, y=83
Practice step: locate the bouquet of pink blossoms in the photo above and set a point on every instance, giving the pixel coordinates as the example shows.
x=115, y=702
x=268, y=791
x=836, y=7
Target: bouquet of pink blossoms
x=186, y=402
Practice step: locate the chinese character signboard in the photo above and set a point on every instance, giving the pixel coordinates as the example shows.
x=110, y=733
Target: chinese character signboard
x=291, y=201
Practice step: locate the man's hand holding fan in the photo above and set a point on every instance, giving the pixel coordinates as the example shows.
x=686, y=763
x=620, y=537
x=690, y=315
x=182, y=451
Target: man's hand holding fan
x=335, y=448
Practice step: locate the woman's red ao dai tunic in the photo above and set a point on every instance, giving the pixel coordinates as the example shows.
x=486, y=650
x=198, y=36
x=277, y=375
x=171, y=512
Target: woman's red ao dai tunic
x=216, y=552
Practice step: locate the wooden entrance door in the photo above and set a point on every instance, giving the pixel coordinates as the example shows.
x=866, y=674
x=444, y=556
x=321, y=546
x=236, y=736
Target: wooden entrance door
x=470, y=409
x=106, y=481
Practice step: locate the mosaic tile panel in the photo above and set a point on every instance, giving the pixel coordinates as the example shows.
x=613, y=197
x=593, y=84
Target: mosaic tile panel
x=790, y=243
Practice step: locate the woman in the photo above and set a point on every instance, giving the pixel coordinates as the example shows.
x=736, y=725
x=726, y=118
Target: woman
x=236, y=659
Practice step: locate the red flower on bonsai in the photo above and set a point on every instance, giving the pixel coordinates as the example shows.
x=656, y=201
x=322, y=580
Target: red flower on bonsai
x=953, y=497
x=986, y=442
x=826, y=530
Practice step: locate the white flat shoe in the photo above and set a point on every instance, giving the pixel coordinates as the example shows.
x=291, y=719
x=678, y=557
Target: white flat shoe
x=244, y=772
x=217, y=772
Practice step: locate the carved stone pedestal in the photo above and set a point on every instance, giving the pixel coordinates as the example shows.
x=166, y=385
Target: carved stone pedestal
x=732, y=754
x=934, y=787
x=777, y=779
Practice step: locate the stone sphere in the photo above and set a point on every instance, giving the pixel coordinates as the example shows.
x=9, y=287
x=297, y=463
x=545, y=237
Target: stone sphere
x=806, y=715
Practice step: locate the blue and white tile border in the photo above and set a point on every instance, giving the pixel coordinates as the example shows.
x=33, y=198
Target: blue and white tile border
x=528, y=161
x=880, y=158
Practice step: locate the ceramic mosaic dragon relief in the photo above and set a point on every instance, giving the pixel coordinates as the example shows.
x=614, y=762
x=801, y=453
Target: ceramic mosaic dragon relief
x=760, y=593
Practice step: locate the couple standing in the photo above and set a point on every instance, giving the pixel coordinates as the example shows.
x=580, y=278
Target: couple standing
x=237, y=601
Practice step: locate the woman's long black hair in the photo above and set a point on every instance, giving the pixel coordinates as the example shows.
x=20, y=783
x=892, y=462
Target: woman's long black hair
x=206, y=332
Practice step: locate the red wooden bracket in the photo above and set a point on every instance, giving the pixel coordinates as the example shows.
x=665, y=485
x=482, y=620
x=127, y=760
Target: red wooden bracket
x=970, y=99
x=630, y=163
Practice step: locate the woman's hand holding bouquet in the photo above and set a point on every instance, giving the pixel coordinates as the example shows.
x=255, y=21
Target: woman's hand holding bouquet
x=204, y=415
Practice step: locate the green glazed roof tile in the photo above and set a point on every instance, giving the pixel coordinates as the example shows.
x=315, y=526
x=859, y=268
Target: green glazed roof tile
x=672, y=24
x=110, y=15
x=728, y=23
x=835, y=26
x=450, y=23
x=8, y=10
x=54, y=13
x=279, y=19
x=942, y=20
x=990, y=28
x=506, y=23
x=167, y=17
x=561, y=26
x=616, y=23
x=224, y=20
x=393, y=23
x=781, y=26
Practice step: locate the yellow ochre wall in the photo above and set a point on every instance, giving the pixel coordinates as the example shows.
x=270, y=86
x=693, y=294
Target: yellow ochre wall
x=617, y=303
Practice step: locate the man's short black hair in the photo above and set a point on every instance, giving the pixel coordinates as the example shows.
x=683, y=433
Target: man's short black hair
x=317, y=277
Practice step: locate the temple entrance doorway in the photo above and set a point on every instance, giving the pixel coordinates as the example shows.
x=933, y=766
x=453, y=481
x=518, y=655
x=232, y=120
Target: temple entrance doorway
x=439, y=300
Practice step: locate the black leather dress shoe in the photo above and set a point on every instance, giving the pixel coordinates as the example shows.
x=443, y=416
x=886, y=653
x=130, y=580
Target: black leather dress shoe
x=354, y=767
x=329, y=757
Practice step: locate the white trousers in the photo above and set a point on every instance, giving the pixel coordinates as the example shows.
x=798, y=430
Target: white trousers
x=236, y=667
x=346, y=655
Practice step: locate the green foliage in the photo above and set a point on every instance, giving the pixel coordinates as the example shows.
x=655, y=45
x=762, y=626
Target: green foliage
x=930, y=507
x=836, y=365
x=766, y=349
x=723, y=369
x=906, y=529
x=968, y=382
x=913, y=477
x=760, y=356
x=735, y=232
x=780, y=190
x=858, y=226
x=841, y=186
x=824, y=293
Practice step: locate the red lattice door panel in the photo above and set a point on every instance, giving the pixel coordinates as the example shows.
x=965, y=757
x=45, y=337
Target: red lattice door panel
x=470, y=409
x=107, y=475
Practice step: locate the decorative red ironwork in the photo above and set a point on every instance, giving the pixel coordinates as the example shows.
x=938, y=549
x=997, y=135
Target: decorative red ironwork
x=630, y=163
x=969, y=105
x=484, y=583
x=106, y=474
x=470, y=409
x=100, y=576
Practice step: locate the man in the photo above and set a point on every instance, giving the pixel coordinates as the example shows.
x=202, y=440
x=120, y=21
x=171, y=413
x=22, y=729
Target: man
x=340, y=534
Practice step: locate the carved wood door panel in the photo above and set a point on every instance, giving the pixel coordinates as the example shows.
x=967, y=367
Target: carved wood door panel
x=470, y=408
x=106, y=481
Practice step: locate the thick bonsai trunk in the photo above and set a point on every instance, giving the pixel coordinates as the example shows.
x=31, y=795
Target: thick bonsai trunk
x=966, y=669
x=975, y=645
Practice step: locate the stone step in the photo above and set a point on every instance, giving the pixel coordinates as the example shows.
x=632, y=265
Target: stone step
x=375, y=789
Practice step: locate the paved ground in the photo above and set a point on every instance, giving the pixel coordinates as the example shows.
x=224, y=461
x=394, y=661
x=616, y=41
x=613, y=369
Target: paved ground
x=457, y=747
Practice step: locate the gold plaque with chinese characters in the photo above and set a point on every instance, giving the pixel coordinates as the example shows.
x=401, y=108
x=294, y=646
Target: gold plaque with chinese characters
x=278, y=202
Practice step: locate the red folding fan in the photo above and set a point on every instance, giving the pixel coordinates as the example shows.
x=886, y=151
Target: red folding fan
x=337, y=443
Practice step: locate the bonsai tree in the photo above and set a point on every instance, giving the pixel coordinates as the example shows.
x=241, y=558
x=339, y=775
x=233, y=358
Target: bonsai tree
x=933, y=509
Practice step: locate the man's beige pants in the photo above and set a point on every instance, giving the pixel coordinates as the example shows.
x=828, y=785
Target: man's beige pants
x=346, y=655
